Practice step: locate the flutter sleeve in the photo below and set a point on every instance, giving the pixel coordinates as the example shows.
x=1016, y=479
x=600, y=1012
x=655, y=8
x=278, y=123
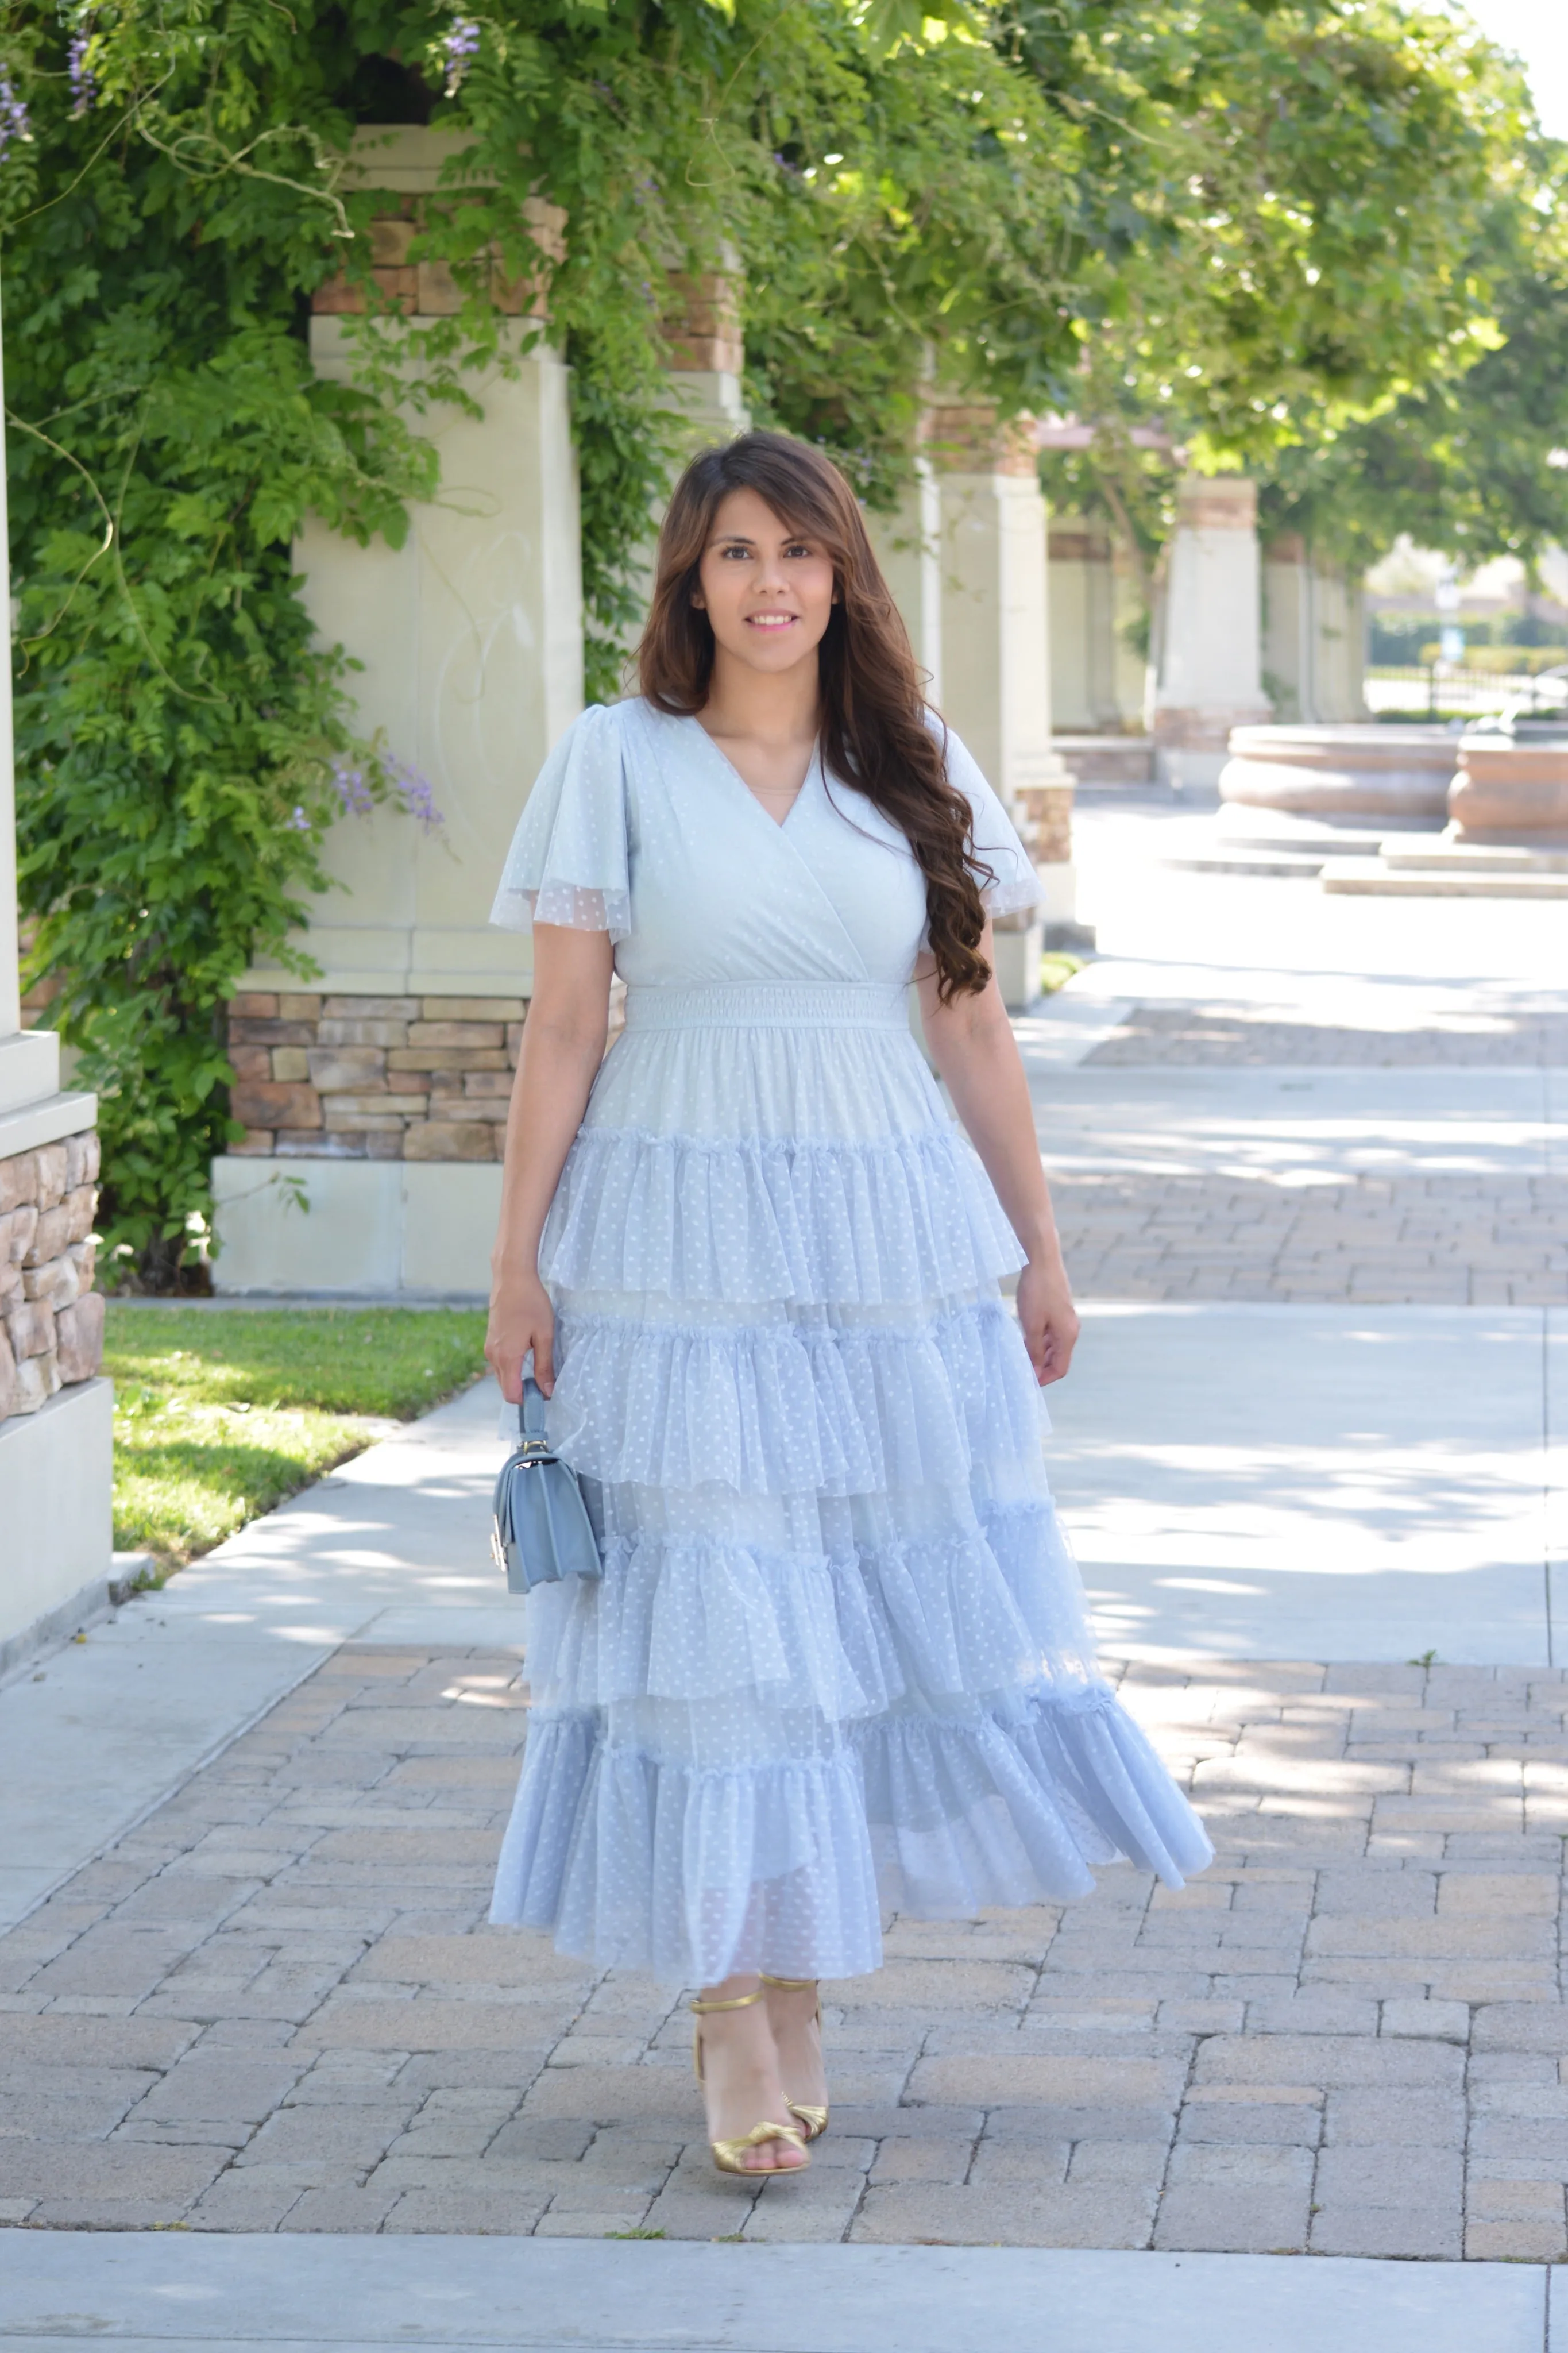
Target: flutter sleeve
x=996, y=844
x=570, y=862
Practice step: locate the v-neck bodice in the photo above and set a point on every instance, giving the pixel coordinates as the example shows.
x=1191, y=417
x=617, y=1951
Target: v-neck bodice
x=643, y=817
x=813, y=770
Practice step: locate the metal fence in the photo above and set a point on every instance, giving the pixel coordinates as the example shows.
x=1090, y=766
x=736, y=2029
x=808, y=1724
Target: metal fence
x=1443, y=691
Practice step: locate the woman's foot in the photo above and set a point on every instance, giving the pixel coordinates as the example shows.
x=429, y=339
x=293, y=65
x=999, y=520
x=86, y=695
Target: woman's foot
x=738, y=2067
x=795, y=2018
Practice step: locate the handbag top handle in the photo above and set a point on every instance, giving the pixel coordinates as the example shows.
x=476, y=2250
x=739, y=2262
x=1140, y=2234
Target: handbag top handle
x=531, y=1412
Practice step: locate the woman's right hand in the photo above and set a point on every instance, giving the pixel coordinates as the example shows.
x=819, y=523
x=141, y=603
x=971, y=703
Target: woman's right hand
x=521, y=1318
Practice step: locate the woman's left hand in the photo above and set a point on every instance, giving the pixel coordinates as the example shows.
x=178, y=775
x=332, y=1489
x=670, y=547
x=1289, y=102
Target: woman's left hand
x=1048, y=1320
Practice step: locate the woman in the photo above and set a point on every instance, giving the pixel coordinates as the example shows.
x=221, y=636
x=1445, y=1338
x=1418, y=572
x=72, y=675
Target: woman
x=837, y=1660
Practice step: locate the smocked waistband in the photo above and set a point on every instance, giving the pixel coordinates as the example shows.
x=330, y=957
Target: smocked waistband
x=771, y=1004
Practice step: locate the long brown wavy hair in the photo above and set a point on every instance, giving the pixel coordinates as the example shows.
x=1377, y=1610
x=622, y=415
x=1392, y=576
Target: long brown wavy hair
x=874, y=729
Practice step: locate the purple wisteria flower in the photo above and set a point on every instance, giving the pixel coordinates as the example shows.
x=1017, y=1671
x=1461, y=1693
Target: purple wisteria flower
x=353, y=791
x=459, y=48
x=14, y=123
x=84, y=81
x=298, y=822
x=415, y=792
x=409, y=791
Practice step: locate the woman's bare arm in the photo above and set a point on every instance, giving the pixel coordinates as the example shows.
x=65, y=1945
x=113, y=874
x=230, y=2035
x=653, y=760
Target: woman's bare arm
x=972, y=1046
x=562, y=1046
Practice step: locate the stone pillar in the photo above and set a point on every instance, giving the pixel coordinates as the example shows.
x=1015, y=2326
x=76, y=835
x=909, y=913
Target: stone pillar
x=1287, y=630
x=1209, y=674
x=1096, y=680
x=380, y=1088
x=704, y=358
x=1313, y=634
x=1340, y=646
x=995, y=658
x=55, y=1411
x=907, y=545
x=705, y=353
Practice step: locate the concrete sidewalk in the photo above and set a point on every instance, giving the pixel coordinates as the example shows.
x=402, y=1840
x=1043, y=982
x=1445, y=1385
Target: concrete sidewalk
x=1258, y=1481
x=451, y=2292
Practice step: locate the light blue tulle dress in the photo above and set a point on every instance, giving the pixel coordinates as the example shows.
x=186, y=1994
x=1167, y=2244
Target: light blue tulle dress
x=836, y=1665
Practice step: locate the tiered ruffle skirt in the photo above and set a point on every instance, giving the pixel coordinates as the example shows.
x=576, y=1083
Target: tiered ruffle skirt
x=837, y=1665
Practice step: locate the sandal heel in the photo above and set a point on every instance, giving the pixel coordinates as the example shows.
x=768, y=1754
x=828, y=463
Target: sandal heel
x=727, y=2154
x=813, y=2119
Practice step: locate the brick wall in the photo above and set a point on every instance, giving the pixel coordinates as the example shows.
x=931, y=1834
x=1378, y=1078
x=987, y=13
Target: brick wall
x=321, y=1077
x=51, y=1319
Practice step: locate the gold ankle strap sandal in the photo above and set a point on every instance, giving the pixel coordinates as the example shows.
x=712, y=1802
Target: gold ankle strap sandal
x=728, y=2154
x=813, y=2119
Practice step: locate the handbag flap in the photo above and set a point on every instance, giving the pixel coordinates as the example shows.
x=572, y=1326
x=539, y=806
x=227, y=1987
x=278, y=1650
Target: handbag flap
x=541, y=1525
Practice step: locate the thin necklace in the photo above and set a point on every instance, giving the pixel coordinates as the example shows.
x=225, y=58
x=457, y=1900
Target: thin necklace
x=793, y=791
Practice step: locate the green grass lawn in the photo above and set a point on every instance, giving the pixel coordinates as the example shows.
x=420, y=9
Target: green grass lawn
x=219, y=1414
x=1056, y=968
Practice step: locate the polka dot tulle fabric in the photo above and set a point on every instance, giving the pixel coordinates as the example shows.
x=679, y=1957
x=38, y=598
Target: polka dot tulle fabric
x=837, y=1665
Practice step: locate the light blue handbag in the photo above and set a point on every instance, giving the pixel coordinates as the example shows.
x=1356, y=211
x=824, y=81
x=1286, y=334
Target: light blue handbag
x=540, y=1531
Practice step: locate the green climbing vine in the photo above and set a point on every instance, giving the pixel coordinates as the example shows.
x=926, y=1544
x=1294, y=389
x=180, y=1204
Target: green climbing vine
x=1013, y=199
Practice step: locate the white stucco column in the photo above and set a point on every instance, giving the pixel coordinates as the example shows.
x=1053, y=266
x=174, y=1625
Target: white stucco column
x=907, y=545
x=995, y=651
x=381, y=1086
x=55, y=1411
x=1313, y=633
x=1341, y=645
x=1096, y=680
x=470, y=635
x=1210, y=676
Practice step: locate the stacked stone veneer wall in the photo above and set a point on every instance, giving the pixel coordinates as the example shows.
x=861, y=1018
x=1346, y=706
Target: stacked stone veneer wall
x=51, y=1319
x=427, y=289
x=1048, y=809
x=319, y=1077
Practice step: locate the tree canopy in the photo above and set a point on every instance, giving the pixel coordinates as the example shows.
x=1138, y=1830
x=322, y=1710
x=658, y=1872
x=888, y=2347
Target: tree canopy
x=1344, y=258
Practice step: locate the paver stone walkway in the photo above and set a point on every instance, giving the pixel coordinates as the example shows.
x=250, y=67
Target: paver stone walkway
x=276, y=2005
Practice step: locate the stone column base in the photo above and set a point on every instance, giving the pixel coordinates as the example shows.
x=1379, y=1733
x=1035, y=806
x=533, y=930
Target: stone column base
x=1190, y=747
x=1017, y=965
x=51, y=1319
x=56, y=1476
x=1057, y=909
x=353, y=1229
x=325, y=1077
x=1044, y=815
